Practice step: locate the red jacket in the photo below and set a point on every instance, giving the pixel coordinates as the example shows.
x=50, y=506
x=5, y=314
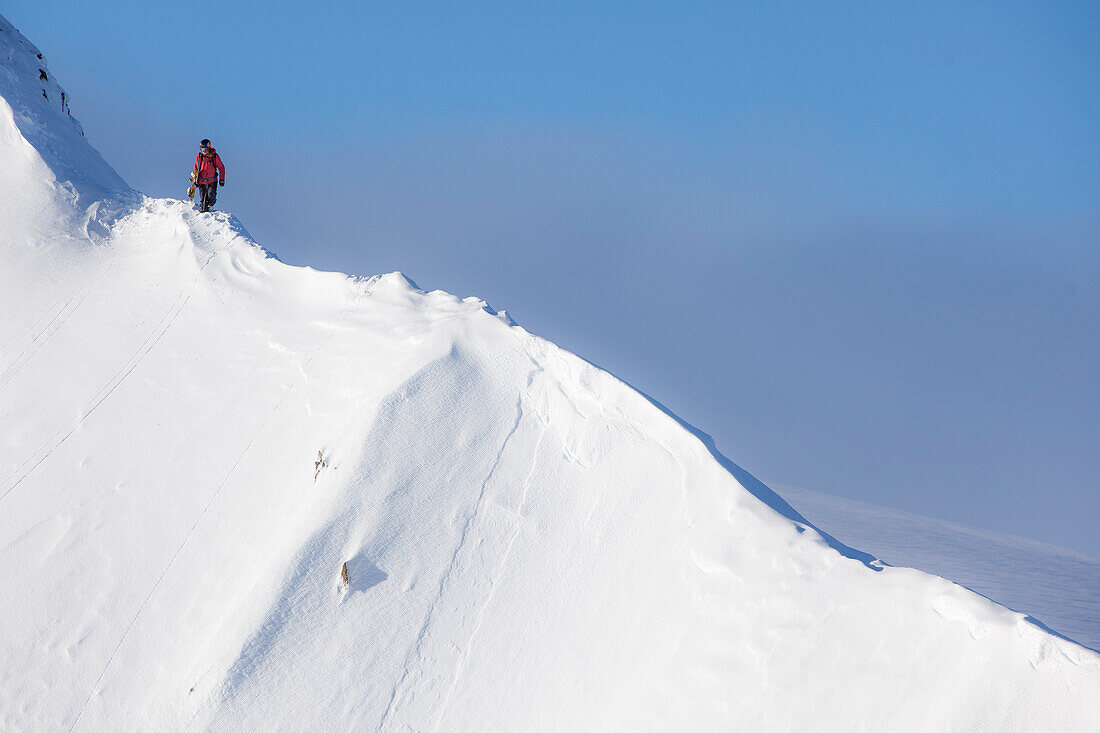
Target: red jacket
x=210, y=167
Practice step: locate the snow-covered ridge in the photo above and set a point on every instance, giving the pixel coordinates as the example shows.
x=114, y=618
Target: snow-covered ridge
x=20, y=67
x=39, y=108
x=198, y=439
x=1059, y=587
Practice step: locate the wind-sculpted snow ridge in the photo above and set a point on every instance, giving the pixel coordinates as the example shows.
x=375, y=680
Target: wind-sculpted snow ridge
x=197, y=440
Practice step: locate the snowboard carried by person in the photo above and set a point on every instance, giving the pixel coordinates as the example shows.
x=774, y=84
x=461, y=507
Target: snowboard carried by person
x=208, y=174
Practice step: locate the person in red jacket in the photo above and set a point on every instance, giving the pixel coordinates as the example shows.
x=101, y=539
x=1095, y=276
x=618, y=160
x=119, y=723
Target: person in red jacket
x=209, y=174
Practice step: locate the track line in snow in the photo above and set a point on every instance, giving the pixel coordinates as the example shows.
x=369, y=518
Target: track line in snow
x=176, y=554
x=110, y=660
x=24, y=469
x=70, y=306
x=497, y=575
x=63, y=433
x=41, y=338
x=416, y=652
x=55, y=307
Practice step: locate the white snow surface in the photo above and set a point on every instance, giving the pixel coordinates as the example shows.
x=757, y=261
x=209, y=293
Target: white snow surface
x=531, y=543
x=1059, y=587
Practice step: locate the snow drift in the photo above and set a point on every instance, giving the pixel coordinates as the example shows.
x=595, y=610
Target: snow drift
x=531, y=544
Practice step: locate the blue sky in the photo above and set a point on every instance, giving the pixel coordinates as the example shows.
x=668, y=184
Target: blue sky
x=856, y=242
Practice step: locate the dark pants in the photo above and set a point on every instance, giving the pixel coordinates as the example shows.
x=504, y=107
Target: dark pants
x=208, y=194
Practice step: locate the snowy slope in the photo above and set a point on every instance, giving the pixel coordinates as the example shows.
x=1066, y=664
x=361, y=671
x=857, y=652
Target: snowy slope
x=532, y=544
x=1059, y=587
x=65, y=168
